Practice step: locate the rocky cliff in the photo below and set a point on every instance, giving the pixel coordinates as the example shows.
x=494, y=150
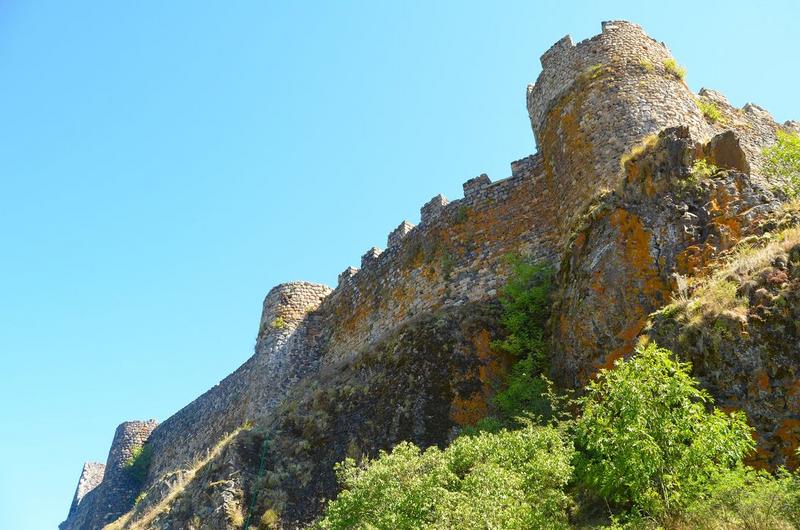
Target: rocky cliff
x=401, y=349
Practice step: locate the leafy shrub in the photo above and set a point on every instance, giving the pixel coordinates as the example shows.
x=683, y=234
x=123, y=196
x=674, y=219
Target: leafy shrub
x=646, y=440
x=139, y=462
x=672, y=67
x=278, y=323
x=510, y=480
x=702, y=169
x=526, y=307
x=782, y=160
x=750, y=499
x=525, y=393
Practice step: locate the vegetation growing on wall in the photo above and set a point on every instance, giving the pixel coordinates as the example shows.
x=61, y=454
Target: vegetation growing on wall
x=139, y=462
x=711, y=111
x=525, y=301
x=673, y=68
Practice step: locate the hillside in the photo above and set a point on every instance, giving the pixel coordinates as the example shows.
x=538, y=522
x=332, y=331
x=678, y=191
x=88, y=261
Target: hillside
x=662, y=219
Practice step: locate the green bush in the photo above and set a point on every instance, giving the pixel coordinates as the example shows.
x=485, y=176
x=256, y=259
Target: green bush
x=510, y=480
x=525, y=301
x=749, y=499
x=782, y=160
x=647, y=441
x=525, y=393
x=526, y=307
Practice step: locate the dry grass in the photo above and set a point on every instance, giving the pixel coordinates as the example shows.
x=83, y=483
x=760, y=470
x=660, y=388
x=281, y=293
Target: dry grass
x=646, y=143
x=716, y=294
x=124, y=522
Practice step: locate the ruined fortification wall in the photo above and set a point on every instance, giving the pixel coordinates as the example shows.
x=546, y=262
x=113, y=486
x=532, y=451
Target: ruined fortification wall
x=592, y=103
x=754, y=127
x=91, y=477
x=455, y=255
x=286, y=350
x=117, y=489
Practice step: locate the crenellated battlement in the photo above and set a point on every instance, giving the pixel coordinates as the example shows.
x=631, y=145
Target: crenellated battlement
x=619, y=43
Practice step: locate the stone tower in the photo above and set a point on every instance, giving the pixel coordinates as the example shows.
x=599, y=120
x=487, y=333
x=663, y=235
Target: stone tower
x=594, y=101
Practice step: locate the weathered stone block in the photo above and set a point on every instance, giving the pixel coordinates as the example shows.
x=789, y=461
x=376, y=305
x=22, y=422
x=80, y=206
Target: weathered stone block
x=431, y=209
x=475, y=185
x=370, y=256
x=397, y=235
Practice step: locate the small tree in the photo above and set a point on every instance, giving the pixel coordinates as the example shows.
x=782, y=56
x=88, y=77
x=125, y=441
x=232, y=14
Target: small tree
x=782, y=160
x=526, y=307
x=647, y=440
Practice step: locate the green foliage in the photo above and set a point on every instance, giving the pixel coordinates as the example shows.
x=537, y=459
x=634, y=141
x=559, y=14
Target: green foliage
x=703, y=169
x=672, y=67
x=139, y=462
x=462, y=215
x=525, y=393
x=525, y=300
x=782, y=160
x=278, y=323
x=750, y=499
x=594, y=71
x=509, y=480
x=647, y=441
x=711, y=111
x=139, y=498
x=526, y=307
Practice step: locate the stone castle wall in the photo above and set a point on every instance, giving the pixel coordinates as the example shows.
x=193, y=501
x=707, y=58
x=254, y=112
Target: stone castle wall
x=286, y=350
x=457, y=254
x=91, y=477
x=592, y=103
x=113, y=494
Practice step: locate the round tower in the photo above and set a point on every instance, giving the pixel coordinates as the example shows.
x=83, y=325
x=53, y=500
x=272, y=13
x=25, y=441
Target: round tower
x=119, y=485
x=287, y=304
x=595, y=101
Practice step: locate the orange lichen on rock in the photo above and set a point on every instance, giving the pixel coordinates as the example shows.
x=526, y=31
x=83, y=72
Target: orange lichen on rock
x=789, y=433
x=493, y=368
x=633, y=237
x=628, y=336
x=694, y=258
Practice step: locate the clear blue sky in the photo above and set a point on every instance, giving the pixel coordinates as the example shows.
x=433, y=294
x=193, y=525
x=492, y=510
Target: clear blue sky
x=163, y=164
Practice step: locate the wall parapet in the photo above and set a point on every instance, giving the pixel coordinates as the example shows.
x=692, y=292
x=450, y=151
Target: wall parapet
x=431, y=209
x=474, y=185
x=397, y=235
